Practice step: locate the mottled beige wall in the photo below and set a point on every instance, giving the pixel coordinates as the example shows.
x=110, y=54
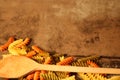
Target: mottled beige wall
x=84, y=27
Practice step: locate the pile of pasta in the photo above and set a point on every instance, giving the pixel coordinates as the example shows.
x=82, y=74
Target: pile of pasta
x=21, y=47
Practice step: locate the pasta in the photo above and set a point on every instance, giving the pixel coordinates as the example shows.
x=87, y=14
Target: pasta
x=91, y=63
x=17, y=51
x=91, y=76
x=50, y=76
x=41, y=77
x=37, y=49
x=5, y=46
x=31, y=54
x=62, y=74
x=69, y=78
x=30, y=76
x=19, y=47
x=38, y=59
x=114, y=78
x=66, y=61
x=47, y=60
x=25, y=42
x=83, y=61
x=36, y=75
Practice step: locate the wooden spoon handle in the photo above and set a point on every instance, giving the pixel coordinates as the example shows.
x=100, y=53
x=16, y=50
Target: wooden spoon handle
x=79, y=69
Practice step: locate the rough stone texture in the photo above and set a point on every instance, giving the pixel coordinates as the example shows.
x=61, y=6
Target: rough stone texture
x=82, y=27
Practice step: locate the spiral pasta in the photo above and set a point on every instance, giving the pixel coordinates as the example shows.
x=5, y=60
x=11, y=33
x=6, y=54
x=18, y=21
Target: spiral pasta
x=91, y=76
x=37, y=49
x=5, y=46
x=36, y=75
x=69, y=78
x=31, y=54
x=25, y=42
x=30, y=76
x=17, y=51
x=83, y=61
x=91, y=63
x=62, y=74
x=50, y=76
x=66, y=61
x=19, y=47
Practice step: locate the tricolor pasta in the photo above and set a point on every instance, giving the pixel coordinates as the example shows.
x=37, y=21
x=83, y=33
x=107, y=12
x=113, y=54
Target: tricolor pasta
x=19, y=47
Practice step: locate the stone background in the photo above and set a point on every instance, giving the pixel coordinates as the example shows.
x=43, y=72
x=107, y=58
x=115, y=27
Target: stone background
x=80, y=27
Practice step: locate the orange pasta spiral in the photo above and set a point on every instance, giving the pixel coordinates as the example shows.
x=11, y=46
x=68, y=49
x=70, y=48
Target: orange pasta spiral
x=91, y=63
x=30, y=76
x=31, y=54
x=33, y=76
x=41, y=78
x=66, y=61
x=37, y=49
x=36, y=75
x=25, y=42
x=5, y=46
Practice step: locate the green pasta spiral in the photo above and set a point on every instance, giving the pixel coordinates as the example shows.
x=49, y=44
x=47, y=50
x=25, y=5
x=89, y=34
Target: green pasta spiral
x=91, y=76
x=50, y=76
x=83, y=61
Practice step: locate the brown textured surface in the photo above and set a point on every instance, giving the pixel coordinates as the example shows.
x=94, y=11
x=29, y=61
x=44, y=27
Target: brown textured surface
x=83, y=27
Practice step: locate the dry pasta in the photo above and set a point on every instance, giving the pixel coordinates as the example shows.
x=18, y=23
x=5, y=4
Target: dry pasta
x=66, y=61
x=19, y=47
x=25, y=42
x=5, y=46
x=17, y=51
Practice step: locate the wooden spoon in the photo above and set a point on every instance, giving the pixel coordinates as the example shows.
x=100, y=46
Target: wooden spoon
x=17, y=66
